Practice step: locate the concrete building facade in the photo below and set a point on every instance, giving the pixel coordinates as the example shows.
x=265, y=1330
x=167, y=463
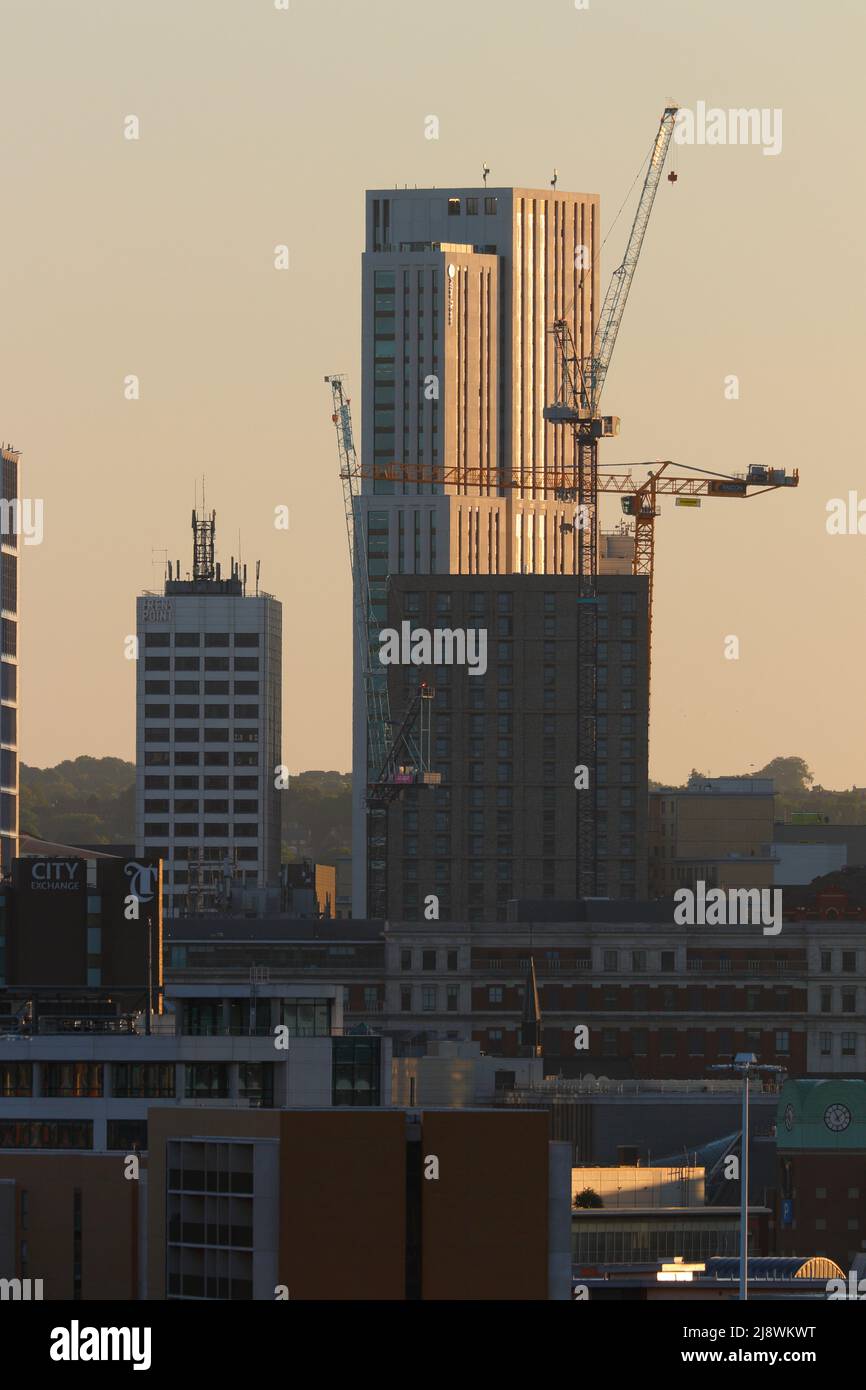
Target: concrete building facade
x=659, y=1000
x=503, y=823
x=208, y=738
x=718, y=830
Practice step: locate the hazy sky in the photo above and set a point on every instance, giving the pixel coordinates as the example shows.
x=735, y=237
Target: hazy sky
x=259, y=127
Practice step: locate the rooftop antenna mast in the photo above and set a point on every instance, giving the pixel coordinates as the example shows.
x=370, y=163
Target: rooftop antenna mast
x=203, y=534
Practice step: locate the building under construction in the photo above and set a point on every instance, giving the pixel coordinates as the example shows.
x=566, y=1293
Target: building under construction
x=486, y=344
x=208, y=733
x=461, y=289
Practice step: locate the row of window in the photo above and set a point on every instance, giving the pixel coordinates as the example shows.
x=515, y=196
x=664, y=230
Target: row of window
x=187, y=711
x=721, y=1043
x=696, y=1001
x=478, y=600
x=194, y=639
x=848, y=963
x=476, y=696
x=848, y=1001
x=184, y=782
x=85, y=1080
x=428, y=959
x=184, y=807
x=213, y=854
x=472, y=206
x=165, y=758
x=429, y=996
x=160, y=733
x=184, y=687
x=192, y=830
x=194, y=663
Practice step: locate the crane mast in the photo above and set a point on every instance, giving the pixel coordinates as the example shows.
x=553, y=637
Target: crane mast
x=397, y=756
x=374, y=678
x=581, y=380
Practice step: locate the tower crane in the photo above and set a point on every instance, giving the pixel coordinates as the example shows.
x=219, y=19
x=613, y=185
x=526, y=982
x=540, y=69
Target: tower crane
x=640, y=503
x=581, y=381
x=398, y=755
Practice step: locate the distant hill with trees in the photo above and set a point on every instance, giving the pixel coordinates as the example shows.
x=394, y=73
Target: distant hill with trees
x=91, y=801
x=797, y=791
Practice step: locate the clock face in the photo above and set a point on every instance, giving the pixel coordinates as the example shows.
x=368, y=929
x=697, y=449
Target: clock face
x=837, y=1117
x=789, y=1117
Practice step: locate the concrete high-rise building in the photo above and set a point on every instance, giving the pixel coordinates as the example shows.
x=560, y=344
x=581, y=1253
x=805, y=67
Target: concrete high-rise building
x=10, y=503
x=460, y=290
x=208, y=729
x=503, y=823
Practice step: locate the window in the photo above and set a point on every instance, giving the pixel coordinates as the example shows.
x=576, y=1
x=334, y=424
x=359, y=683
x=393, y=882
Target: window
x=428, y=960
x=783, y=1042
x=453, y=207
x=494, y=994
x=849, y=1044
x=428, y=998
x=826, y=1044
x=71, y=1079
x=849, y=962
x=490, y=205
x=668, y=961
x=610, y=961
x=356, y=1068
x=133, y=1080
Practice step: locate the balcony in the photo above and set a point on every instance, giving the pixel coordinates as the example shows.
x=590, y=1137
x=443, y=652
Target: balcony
x=765, y=969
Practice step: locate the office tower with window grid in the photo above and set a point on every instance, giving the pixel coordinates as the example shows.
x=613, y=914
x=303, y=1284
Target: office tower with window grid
x=208, y=704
